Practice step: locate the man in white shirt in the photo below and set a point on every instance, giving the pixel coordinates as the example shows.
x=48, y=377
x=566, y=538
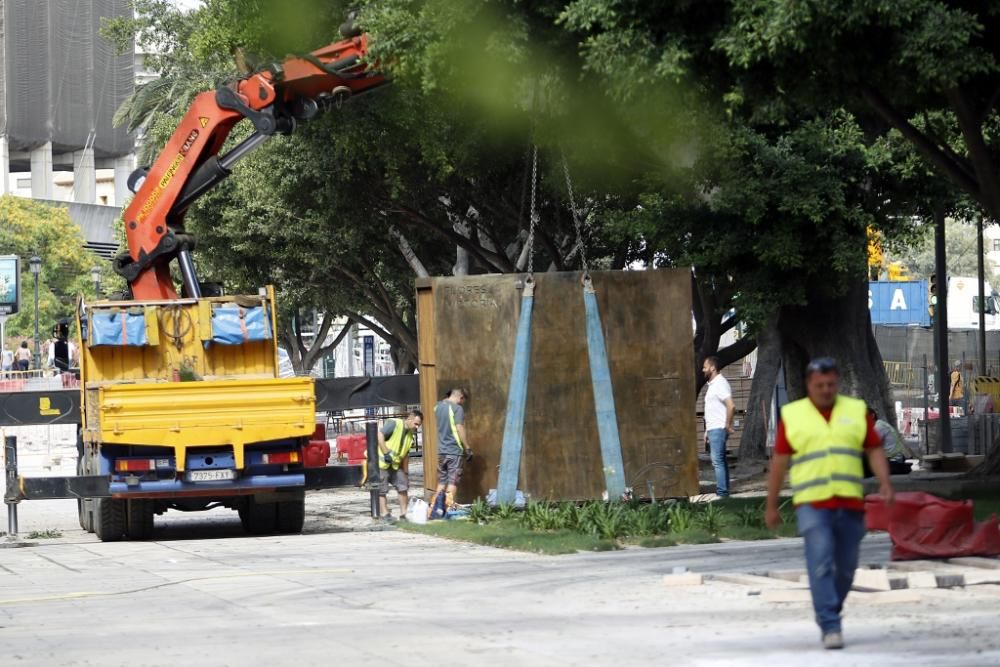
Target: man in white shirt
x=719, y=411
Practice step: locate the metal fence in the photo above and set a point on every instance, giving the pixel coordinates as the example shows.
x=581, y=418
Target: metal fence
x=909, y=358
x=37, y=380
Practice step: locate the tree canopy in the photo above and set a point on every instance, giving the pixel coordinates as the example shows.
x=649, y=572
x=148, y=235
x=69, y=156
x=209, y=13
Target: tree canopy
x=748, y=140
x=29, y=228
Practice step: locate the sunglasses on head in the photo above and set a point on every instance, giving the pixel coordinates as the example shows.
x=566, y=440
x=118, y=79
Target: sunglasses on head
x=822, y=365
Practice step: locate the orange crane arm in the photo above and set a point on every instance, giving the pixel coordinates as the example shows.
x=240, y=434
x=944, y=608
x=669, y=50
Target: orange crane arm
x=274, y=99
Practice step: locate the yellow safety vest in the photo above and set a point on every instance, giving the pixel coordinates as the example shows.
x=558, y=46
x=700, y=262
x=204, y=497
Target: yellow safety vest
x=399, y=443
x=454, y=428
x=827, y=455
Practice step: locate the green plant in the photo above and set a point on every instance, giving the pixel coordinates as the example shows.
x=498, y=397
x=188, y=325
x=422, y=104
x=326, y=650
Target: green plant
x=710, y=518
x=505, y=511
x=542, y=516
x=480, y=512
x=609, y=520
x=750, y=517
x=44, y=534
x=641, y=521
x=570, y=516
x=679, y=518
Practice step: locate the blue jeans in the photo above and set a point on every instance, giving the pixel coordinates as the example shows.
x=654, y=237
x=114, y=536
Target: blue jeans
x=833, y=539
x=717, y=438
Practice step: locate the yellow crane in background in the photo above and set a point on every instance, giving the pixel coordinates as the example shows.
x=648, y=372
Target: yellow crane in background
x=878, y=263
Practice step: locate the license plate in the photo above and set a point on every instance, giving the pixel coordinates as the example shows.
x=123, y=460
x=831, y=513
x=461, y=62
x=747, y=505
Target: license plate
x=223, y=475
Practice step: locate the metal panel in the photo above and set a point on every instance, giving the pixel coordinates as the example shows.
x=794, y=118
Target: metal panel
x=334, y=476
x=26, y=408
x=47, y=488
x=332, y=395
x=335, y=394
x=647, y=327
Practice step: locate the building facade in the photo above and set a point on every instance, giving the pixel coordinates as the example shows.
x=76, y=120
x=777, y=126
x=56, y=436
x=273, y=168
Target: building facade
x=60, y=85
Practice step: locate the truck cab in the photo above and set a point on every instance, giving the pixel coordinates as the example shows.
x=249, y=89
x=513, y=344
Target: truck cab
x=963, y=304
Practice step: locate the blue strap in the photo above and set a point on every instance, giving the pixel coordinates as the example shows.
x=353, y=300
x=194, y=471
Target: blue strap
x=517, y=397
x=604, y=397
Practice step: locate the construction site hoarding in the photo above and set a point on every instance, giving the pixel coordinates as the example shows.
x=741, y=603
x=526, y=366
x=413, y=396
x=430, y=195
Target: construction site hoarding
x=62, y=80
x=467, y=328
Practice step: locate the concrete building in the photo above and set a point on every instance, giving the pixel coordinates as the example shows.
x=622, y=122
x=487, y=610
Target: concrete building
x=60, y=85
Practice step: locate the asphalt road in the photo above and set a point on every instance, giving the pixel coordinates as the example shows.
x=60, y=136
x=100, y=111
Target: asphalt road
x=391, y=597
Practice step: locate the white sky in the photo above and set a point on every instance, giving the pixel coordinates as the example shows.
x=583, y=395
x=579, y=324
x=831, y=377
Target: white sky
x=187, y=4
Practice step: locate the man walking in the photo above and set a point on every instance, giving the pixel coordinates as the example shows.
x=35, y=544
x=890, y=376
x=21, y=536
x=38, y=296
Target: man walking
x=824, y=437
x=395, y=439
x=719, y=411
x=452, y=450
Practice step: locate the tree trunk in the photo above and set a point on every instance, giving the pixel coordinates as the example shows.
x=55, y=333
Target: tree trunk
x=753, y=441
x=838, y=328
x=402, y=359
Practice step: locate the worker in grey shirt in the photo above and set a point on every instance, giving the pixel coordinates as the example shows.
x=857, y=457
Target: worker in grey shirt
x=452, y=449
x=895, y=449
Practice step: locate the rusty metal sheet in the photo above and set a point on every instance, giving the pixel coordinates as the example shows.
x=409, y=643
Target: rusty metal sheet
x=472, y=323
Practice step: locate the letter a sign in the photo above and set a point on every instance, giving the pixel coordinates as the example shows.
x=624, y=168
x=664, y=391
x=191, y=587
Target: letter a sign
x=898, y=300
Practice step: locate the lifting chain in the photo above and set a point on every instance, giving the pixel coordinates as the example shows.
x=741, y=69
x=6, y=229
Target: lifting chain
x=533, y=218
x=580, y=245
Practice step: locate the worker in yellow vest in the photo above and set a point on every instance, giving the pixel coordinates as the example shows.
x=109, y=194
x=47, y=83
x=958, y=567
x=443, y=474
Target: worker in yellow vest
x=395, y=439
x=822, y=439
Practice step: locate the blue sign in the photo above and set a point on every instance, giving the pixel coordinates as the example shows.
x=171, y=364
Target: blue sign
x=899, y=303
x=10, y=284
x=369, y=347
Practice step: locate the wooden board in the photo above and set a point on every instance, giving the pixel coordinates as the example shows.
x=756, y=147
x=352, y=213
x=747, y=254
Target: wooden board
x=467, y=328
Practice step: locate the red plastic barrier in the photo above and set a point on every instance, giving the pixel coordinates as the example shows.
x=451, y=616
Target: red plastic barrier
x=925, y=526
x=316, y=454
x=354, y=447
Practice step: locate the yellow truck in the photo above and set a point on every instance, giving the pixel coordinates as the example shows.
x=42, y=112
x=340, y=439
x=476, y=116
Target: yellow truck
x=182, y=404
x=183, y=409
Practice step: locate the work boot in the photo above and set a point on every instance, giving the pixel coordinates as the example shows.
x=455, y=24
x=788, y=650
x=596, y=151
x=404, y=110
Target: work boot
x=833, y=640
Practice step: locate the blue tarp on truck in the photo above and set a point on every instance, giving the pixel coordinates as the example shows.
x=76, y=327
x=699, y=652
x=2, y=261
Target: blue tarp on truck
x=899, y=303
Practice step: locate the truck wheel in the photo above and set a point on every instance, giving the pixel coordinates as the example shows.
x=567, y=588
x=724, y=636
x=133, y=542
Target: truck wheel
x=139, y=519
x=291, y=516
x=259, y=518
x=109, y=519
x=83, y=509
x=83, y=506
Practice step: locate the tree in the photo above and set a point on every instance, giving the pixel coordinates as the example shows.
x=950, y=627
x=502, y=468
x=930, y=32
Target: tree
x=962, y=248
x=344, y=214
x=929, y=75
x=30, y=228
x=929, y=71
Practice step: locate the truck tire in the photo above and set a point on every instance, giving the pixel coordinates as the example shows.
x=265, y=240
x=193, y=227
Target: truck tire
x=109, y=519
x=85, y=510
x=259, y=518
x=291, y=516
x=139, y=519
x=84, y=506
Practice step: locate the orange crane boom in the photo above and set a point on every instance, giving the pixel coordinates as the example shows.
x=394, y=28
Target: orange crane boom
x=274, y=99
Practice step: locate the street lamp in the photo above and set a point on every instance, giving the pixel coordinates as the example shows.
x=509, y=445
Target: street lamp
x=95, y=275
x=35, y=264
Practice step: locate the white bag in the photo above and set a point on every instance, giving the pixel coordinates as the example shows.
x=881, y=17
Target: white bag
x=417, y=510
